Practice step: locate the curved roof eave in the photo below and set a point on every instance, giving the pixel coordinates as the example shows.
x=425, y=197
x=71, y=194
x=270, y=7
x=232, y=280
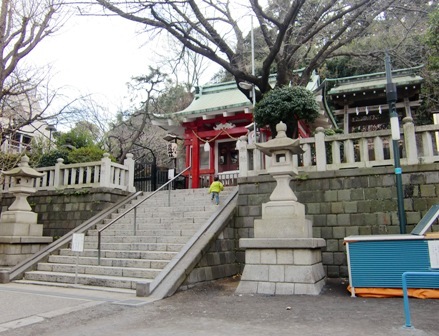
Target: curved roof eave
x=373, y=84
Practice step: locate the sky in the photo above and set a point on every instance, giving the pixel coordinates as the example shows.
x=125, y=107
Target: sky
x=96, y=55
x=99, y=55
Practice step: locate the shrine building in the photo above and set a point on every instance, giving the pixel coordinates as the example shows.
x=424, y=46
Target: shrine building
x=220, y=113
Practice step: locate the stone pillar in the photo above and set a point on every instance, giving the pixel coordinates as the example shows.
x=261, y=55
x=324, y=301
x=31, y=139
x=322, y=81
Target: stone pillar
x=241, y=145
x=105, y=171
x=410, y=141
x=129, y=162
x=320, y=149
x=282, y=258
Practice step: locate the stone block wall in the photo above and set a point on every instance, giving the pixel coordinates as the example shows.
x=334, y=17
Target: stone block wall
x=61, y=211
x=343, y=203
x=219, y=258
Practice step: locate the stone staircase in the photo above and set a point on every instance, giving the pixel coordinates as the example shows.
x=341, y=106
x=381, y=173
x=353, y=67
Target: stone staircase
x=128, y=258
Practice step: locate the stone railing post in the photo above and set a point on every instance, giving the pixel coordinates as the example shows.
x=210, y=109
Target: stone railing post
x=105, y=171
x=57, y=180
x=129, y=163
x=241, y=145
x=410, y=140
x=320, y=149
x=257, y=160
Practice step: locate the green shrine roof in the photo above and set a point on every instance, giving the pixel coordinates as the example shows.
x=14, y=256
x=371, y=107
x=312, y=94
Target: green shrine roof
x=369, y=82
x=216, y=97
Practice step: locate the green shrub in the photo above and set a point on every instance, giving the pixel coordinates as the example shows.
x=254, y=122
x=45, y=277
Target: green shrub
x=86, y=154
x=286, y=104
x=49, y=159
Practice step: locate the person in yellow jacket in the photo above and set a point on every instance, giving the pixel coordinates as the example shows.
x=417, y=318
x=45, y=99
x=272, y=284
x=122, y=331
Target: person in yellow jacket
x=215, y=188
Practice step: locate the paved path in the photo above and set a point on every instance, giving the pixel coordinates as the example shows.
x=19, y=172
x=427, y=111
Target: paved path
x=212, y=309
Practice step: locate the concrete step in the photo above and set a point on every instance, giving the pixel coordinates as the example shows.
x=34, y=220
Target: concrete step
x=85, y=279
x=139, y=239
x=161, y=231
x=65, y=285
x=115, y=262
x=153, y=231
x=177, y=202
x=121, y=254
x=130, y=272
x=168, y=214
x=166, y=222
x=134, y=246
x=177, y=209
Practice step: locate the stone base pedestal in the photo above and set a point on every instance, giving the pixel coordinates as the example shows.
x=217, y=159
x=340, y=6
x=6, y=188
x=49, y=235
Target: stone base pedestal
x=14, y=249
x=282, y=266
x=20, y=224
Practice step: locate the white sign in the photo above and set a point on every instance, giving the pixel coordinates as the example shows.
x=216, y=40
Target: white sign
x=171, y=174
x=172, y=149
x=433, y=250
x=78, y=242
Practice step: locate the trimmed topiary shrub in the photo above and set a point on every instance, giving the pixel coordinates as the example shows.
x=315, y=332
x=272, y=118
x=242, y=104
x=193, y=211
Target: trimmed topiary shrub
x=286, y=104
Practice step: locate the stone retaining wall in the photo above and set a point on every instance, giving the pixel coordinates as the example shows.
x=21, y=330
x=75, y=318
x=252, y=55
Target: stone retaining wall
x=61, y=211
x=346, y=202
x=218, y=260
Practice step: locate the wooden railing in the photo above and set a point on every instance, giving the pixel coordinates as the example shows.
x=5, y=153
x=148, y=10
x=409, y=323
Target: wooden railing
x=104, y=173
x=418, y=145
x=227, y=179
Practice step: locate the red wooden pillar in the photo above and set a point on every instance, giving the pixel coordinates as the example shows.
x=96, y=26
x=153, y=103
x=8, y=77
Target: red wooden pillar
x=187, y=146
x=212, y=160
x=195, y=162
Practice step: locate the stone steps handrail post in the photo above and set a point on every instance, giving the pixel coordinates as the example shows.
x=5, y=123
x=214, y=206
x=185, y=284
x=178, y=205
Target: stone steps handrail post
x=411, y=148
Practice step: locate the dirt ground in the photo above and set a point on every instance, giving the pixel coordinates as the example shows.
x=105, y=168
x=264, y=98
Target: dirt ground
x=214, y=309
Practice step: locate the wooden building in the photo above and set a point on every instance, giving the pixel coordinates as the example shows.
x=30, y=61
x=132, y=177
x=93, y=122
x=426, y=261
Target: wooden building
x=359, y=103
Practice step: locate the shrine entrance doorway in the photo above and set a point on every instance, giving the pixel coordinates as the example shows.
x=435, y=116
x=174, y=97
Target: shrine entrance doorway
x=228, y=157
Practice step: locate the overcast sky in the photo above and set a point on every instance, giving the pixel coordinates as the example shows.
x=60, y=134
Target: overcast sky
x=95, y=55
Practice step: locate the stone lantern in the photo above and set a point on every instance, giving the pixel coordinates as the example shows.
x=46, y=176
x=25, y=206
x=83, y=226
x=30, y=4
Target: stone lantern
x=18, y=225
x=283, y=257
x=286, y=215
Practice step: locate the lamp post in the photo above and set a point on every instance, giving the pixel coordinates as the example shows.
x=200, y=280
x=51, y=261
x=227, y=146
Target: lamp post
x=248, y=86
x=394, y=124
x=172, y=150
x=50, y=128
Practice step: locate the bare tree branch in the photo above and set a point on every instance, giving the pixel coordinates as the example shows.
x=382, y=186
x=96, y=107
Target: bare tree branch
x=299, y=33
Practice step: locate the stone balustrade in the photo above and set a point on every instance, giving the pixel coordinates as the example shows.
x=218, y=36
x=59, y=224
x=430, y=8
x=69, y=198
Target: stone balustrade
x=99, y=174
x=418, y=145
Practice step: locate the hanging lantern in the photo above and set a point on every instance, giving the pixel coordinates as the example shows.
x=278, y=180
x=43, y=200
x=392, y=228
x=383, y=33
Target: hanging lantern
x=206, y=146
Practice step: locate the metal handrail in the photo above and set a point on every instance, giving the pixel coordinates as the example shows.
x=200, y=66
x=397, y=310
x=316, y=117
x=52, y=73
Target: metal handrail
x=405, y=275
x=32, y=260
x=134, y=207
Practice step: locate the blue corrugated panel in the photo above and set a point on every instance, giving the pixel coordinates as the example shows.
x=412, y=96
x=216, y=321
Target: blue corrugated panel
x=381, y=263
